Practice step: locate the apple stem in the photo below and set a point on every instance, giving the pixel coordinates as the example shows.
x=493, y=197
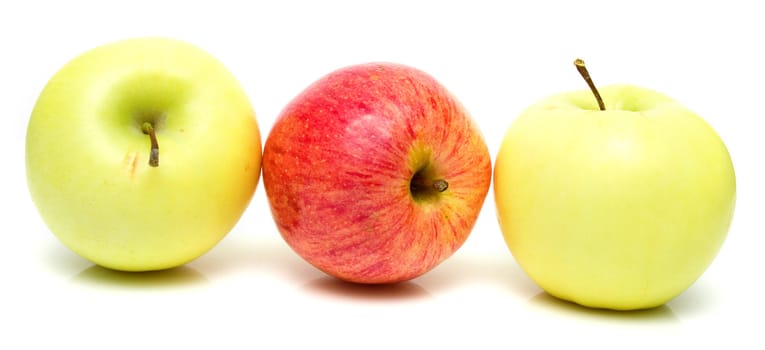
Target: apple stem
x=440, y=185
x=148, y=129
x=579, y=63
x=420, y=184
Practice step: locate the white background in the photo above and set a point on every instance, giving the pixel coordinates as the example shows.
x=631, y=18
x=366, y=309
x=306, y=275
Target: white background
x=252, y=291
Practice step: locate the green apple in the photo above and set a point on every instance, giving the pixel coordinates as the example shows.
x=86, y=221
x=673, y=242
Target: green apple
x=142, y=154
x=622, y=208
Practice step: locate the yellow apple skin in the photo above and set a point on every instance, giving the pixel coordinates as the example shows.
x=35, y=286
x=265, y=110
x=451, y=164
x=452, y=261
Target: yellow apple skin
x=87, y=157
x=620, y=209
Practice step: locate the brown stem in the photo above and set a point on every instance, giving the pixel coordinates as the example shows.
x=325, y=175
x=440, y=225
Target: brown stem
x=148, y=129
x=579, y=63
x=420, y=184
x=440, y=185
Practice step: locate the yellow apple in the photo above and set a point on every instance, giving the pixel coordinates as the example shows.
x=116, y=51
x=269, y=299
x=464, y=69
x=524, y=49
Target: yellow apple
x=142, y=154
x=622, y=208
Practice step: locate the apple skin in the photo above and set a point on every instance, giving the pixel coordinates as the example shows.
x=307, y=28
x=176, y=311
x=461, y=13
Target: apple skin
x=339, y=162
x=620, y=209
x=87, y=156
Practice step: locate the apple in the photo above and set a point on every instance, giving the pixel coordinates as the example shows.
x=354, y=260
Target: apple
x=142, y=154
x=621, y=206
x=375, y=173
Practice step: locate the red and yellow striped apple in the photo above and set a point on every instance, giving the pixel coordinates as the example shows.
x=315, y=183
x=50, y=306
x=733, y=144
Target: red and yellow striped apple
x=375, y=173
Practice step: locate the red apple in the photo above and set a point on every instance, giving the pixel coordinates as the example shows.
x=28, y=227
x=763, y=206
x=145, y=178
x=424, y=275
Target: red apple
x=375, y=173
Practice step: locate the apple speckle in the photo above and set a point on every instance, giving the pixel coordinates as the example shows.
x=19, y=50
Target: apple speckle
x=130, y=162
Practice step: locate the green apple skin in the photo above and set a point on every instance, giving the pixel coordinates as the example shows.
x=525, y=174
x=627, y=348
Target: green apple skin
x=87, y=157
x=620, y=209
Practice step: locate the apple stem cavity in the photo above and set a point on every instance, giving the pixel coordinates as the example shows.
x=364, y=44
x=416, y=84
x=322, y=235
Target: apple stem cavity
x=148, y=129
x=579, y=63
x=423, y=188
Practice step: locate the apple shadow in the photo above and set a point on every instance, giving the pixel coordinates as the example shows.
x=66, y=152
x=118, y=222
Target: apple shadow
x=61, y=259
x=658, y=315
x=255, y=254
x=178, y=277
x=493, y=270
x=697, y=300
x=333, y=287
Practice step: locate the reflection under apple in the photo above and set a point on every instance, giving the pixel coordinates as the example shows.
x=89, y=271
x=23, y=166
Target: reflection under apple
x=334, y=287
x=179, y=277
